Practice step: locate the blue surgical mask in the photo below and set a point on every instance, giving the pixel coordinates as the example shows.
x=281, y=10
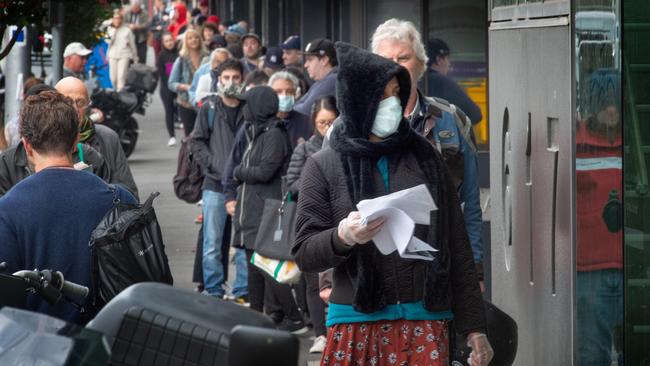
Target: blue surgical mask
x=285, y=103
x=388, y=118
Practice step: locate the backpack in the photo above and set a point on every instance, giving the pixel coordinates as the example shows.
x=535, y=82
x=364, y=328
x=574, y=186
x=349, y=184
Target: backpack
x=126, y=248
x=189, y=178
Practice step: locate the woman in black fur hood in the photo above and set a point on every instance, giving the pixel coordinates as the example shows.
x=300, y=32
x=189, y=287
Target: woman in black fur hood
x=385, y=309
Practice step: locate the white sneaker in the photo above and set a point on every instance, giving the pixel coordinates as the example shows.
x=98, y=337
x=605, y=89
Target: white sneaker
x=172, y=142
x=200, y=203
x=319, y=345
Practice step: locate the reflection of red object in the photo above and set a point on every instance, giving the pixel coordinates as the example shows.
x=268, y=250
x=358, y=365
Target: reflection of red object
x=598, y=172
x=181, y=20
x=213, y=19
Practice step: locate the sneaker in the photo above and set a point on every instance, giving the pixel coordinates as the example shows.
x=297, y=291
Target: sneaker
x=200, y=203
x=199, y=219
x=319, y=345
x=172, y=142
x=295, y=327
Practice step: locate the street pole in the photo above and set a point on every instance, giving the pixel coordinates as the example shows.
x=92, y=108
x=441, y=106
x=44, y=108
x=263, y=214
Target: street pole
x=57, y=12
x=17, y=70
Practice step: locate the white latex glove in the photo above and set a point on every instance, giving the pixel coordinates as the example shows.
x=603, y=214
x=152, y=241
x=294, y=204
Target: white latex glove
x=353, y=230
x=482, y=352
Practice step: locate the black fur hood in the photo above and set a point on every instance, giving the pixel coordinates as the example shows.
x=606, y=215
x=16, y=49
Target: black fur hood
x=360, y=85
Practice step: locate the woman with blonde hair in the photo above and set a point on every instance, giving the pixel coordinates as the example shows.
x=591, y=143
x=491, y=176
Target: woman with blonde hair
x=121, y=50
x=192, y=55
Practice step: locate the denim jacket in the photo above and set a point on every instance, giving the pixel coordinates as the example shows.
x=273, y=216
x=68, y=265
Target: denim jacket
x=447, y=127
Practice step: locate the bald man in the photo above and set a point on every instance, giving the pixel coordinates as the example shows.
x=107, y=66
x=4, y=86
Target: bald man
x=99, y=137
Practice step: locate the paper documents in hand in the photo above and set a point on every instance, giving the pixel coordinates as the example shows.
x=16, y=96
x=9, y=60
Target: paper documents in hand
x=401, y=211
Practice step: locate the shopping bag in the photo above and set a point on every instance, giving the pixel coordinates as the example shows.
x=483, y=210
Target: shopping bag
x=277, y=230
x=283, y=271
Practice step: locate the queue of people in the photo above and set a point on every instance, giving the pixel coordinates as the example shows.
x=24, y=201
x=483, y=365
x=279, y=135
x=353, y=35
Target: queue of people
x=330, y=124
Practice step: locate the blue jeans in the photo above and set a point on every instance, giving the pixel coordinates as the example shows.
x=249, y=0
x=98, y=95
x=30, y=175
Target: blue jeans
x=214, y=221
x=240, y=287
x=599, y=311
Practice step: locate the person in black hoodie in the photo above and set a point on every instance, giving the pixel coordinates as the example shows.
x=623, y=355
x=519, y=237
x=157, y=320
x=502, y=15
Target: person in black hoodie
x=263, y=164
x=393, y=309
x=164, y=64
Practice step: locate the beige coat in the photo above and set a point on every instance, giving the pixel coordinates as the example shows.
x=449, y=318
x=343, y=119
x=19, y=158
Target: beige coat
x=122, y=43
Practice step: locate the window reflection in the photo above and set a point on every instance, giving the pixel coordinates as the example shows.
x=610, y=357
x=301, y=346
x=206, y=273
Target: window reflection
x=599, y=286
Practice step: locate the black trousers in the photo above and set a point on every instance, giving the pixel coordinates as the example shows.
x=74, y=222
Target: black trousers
x=256, y=284
x=142, y=52
x=279, y=301
x=315, y=304
x=188, y=117
x=167, y=97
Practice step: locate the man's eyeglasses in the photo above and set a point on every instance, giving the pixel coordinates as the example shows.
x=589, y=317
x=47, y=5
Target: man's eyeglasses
x=82, y=103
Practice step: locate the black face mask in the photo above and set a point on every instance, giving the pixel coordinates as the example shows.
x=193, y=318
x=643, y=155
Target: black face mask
x=613, y=212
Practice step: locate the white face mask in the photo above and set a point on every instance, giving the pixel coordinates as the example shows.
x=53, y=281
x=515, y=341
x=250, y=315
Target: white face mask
x=389, y=115
x=285, y=103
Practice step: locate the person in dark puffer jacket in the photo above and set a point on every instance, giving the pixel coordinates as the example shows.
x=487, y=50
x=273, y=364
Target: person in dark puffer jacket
x=377, y=300
x=323, y=114
x=260, y=174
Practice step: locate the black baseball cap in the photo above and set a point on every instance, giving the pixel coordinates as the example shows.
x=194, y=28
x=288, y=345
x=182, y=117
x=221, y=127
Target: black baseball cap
x=321, y=47
x=273, y=58
x=437, y=47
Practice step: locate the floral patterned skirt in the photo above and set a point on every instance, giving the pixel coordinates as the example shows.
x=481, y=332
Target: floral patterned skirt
x=388, y=342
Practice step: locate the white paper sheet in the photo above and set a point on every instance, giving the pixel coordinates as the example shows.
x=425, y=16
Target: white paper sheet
x=401, y=211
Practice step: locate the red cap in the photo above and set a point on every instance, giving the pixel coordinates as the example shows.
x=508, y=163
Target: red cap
x=213, y=19
x=203, y=3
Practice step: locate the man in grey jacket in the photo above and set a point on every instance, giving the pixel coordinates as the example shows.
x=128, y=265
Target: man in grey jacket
x=99, y=137
x=137, y=20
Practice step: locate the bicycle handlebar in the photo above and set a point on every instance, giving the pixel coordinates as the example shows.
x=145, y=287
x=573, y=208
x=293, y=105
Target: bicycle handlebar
x=67, y=288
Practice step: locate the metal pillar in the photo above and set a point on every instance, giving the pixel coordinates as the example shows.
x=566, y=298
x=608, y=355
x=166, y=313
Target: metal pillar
x=18, y=66
x=57, y=10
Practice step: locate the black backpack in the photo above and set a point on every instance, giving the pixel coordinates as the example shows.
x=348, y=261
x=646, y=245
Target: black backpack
x=189, y=178
x=127, y=248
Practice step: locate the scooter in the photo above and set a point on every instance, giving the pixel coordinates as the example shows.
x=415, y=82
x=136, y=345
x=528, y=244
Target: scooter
x=119, y=107
x=146, y=324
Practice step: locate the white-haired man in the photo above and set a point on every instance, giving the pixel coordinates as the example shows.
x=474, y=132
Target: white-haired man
x=287, y=86
x=442, y=123
x=207, y=84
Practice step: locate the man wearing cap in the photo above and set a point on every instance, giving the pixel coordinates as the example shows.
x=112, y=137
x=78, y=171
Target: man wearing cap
x=321, y=64
x=136, y=18
x=272, y=61
x=75, y=56
x=251, y=45
x=291, y=52
x=233, y=35
x=442, y=86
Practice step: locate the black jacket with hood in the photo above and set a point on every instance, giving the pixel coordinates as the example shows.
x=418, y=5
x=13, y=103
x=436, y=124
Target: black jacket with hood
x=335, y=179
x=212, y=145
x=263, y=164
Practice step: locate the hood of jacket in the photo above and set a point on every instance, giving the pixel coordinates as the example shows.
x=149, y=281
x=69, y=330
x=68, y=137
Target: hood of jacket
x=181, y=10
x=360, y=82
x=261, y=105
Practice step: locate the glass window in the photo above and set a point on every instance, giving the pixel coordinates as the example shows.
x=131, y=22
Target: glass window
x=599, y=232
x=636, y=96
x=381, y=10
x=456, y=46
x=497, y=3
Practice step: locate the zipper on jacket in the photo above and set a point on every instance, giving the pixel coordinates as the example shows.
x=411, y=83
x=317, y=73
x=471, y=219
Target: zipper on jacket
x=246, y=162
